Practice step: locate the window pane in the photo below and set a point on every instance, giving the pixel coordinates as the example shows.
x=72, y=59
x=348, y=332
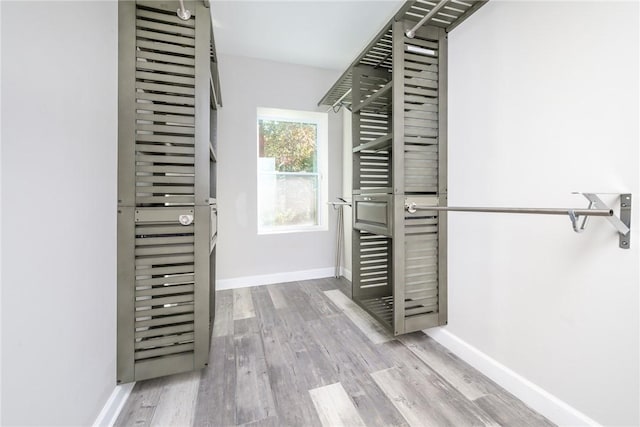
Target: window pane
x=292, y=165
x=292, y=145
x=287, y=199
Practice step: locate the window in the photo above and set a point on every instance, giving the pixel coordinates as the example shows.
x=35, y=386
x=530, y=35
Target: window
x=292, y=187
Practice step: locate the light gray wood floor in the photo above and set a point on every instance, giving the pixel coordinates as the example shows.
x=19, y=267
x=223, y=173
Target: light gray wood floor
x=302, y=354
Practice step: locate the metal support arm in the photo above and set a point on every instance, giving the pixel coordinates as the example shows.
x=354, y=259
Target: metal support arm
x=596, y=208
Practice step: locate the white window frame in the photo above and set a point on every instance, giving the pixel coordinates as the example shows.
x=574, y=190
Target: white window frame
x=321, y=120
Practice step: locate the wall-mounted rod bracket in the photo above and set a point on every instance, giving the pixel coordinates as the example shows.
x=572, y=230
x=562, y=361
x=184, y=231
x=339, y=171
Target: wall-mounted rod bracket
x=622, y=224
x=339, y=203
x=596, y=208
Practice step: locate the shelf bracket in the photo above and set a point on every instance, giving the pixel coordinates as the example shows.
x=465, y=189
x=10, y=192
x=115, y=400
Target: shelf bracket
x=621, y=224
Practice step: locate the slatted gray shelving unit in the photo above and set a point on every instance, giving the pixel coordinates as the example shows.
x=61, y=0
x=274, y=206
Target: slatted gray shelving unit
x=169, y=93
x=397, y=92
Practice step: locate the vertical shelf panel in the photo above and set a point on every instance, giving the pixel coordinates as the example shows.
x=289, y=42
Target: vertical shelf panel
x=420, y=285
x=164, y=190
x=399, y=107
x=443, y=174
x=414, y=154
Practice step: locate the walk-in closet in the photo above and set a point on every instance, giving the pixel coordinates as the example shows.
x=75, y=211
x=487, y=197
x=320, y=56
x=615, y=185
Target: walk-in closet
x=359, y=213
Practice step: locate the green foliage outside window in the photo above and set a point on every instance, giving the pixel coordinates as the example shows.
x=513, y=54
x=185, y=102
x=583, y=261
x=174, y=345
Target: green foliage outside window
x=292, y=144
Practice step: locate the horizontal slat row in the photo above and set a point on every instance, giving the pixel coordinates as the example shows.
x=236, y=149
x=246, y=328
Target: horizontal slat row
x=149, y=314
x=154, y=14
x=374, y=259
x=374, y=170
x=380, y=53
x=165, y=38
x=381, y=307
x=167, y=28
x=421, y=265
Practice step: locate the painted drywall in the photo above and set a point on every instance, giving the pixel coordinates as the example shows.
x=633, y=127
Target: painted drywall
x=0, y=218
x=325, y=34
x=246, y=85
x=59, y=142
x=543, y=101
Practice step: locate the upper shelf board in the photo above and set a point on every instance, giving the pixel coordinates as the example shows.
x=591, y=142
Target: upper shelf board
x=378, y=52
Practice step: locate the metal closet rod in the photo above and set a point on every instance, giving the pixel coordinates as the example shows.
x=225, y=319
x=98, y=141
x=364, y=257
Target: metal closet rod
x=412, y=32
x=596, y=207
x=413, y=207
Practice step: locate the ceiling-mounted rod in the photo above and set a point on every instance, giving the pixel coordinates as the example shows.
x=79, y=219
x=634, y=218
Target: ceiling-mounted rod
x=183, y=13
x=412, y=32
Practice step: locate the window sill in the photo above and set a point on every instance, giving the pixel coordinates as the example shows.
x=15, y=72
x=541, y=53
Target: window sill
x=290, y=230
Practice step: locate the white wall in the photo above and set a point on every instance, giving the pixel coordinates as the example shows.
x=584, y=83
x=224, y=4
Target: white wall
x=242, y=253
x=0, y=214
x=59, y=135
x=543, y=101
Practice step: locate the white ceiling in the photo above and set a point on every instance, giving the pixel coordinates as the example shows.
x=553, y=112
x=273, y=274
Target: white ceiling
x=319, y=33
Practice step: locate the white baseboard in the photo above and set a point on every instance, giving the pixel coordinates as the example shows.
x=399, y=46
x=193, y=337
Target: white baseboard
x=270, y=279
x=534, y=396
x=114, y=405
x=345, y=273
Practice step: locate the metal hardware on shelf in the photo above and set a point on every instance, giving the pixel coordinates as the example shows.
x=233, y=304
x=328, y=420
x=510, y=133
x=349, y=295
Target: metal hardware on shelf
x=185, y=219
x=625, y=217
x=574, y=221
x=596, y=208
x=339, y=101
x=339, y=204
x=183, y=13
x=599, y=204
x=621, y=224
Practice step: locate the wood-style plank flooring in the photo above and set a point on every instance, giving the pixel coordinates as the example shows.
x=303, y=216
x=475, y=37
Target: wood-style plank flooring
x=303, y=354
